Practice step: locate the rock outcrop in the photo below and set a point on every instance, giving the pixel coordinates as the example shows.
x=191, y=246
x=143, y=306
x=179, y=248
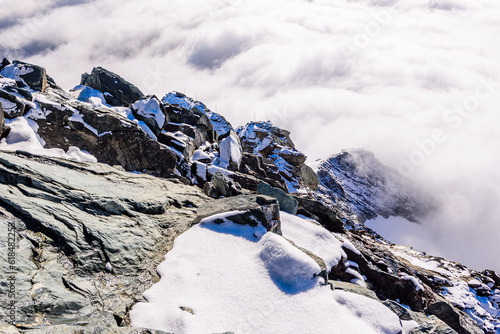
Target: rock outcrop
x=277, y=149
x=117, y=91
x=245, y=210
x=2, y=121
x=361, y=188
x=89, y=237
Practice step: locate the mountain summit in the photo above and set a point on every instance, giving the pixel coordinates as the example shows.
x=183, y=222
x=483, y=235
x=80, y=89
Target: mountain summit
x=128, y=213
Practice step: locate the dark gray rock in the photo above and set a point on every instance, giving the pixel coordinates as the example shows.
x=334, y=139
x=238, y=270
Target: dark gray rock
x=456, y=319
x=12, y=105
x=256, y=209
x=26, y=75
x=361, y=186
x=354, y=288
x=255, y=166
x=151, y=111
x=230, y=151
x=224, y=186
x=117, y=91
x=180, y=142
x=105, y=134
x=199, y=134
x=426, y=323
x=309, y=177
x=75, y=219
x=319, y=211
x=287, y=202
x=2, y=120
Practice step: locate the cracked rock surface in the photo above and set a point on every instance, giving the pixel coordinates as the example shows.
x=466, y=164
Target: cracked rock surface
x=88, y=238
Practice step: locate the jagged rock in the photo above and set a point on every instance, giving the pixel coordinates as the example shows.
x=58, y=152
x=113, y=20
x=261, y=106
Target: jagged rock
x=224, y=186
x=230, y=152
x=360, y=185
x=199, y=134
x=26, y=75
x=317, y=210
x=354, y=288
x=72, y=219
x=309, y=177
x=256, y=209
x=178, y=141
x=117, y=91
x=494, y=276
x=254, y=165
x=182, y=108
x=287, y=202
x=274, y=144
x=4, y=63
x=13, y=106
x=2, y=120
x=460, y=322
x=293, y=157
x=151, y=111
x=426, y=323
x=105, y=134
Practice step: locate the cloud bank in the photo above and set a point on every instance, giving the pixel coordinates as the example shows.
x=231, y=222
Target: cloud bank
x=385, y=75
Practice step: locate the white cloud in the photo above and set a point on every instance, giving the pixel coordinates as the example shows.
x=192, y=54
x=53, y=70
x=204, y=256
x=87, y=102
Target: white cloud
x=378, y=74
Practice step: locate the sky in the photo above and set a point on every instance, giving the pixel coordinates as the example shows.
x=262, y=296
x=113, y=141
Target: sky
x=415, y=82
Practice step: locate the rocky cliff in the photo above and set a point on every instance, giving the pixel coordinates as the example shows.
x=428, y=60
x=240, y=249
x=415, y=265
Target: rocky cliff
x=97, y=183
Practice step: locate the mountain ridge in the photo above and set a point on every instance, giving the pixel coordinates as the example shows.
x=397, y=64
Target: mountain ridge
x=193, y=157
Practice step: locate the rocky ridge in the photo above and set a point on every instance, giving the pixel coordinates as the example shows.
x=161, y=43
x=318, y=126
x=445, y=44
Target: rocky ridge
x=362, y=188
x=90, y=234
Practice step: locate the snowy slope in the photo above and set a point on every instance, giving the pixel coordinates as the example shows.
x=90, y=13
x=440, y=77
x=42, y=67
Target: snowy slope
x=230, y=277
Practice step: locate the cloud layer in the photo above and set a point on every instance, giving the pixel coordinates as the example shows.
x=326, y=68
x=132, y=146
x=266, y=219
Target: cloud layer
x=380, y=74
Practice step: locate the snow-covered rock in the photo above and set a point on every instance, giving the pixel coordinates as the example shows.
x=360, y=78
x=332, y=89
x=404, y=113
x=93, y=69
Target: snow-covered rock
x=363, y=188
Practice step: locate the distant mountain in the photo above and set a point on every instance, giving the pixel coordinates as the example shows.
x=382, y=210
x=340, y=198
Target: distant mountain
x=97, y=183
x=364, y=188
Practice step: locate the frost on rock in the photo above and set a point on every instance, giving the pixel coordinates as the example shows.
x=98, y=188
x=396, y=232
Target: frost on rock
x=151, y=111
x=23, y=137
x=220, y=124
x=230, y=151
x=274, y=145
x=292, y=270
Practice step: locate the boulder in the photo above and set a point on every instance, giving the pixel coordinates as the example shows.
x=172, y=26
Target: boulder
x=252, y=209
x=309, y=177
x=199, y=134
x=178, y=141
x=26, y=75
x=254, y=165
x=117, y=91
x=151, y=111
x=224, y=186
x=317, y=210
x=230, y=151
x=2, y=120
x=287, y=202
x=293, y=157
x=13, y=106
x=456, y=319
x=354, y=288
x=105, y=134
x=426, y=323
